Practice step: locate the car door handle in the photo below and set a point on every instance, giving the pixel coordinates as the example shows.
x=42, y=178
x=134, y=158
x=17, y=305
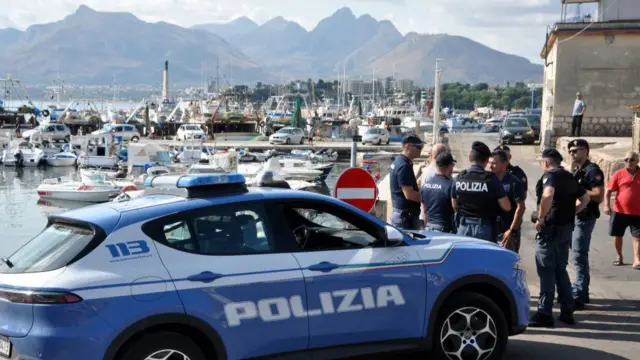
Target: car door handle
x=205, y=277
x=324, y=267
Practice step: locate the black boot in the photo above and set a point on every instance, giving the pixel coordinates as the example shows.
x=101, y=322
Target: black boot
x=541, y=320
x=567, y=318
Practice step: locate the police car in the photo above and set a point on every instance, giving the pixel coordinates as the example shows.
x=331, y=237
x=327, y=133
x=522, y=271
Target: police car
x=203, y=267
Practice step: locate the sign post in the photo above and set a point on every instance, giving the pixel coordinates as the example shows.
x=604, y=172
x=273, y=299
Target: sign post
x=357, y=187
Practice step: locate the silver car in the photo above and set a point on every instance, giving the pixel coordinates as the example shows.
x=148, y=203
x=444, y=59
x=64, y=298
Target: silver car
x=287, y=135
x=54, y=132
x=376, y=136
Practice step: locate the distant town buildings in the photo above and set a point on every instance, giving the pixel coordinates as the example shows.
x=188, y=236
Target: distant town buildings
x=596, y=55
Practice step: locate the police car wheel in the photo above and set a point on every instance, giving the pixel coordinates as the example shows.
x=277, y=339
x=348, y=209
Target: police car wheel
x=164, y=345
x=471, y=326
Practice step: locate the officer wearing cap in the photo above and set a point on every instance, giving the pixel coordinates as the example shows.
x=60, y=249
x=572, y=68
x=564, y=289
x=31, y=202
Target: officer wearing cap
x=478, y=197
x=591, y=178
x=554, y=227
x=437, y=210
x=515, y=170
x=405, y=195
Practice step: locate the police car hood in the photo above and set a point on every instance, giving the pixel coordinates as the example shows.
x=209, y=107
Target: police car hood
x=433, y=238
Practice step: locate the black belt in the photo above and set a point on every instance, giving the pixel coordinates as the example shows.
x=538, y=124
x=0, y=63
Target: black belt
x=408, y=212
x=483, y=221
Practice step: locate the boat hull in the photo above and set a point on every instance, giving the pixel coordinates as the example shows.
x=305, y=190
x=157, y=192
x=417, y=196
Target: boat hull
x=92, y=196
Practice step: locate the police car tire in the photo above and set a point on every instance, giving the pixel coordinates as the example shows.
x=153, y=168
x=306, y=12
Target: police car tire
x=154, y=342
x=463, y=300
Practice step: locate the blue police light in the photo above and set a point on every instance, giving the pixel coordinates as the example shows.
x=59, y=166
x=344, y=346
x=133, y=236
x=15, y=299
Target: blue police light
x=192, y=181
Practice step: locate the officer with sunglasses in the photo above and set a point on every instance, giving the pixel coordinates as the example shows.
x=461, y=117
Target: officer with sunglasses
x=405, y=195
x=591, y=178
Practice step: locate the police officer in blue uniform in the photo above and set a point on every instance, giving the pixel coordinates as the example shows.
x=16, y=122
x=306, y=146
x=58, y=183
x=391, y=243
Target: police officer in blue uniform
x=405, y=195
x=510, y=222
x=437, y=210
x=478, y=197
x=591, y=178
x=515, y=170
x=554, y=227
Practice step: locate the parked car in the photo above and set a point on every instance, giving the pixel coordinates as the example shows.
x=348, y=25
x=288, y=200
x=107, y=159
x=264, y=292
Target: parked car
x=125, y=131
x=516, y=130
x=534, y=122
x=55, y=132
x=376, y=136
x=287, y=135
x=189, y=131
x=208, y=268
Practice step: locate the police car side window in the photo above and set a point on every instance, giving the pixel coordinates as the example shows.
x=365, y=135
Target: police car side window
x=321, y=227
x=178, y=235
x=232, y=231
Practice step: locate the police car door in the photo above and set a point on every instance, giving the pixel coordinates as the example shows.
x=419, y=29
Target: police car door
x=229, y=271
x=358, y=290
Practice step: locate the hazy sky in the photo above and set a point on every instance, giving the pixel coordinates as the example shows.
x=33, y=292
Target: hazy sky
x=513, y=26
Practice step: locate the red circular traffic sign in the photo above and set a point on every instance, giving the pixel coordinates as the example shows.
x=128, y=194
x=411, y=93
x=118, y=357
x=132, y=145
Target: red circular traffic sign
x=357, y=187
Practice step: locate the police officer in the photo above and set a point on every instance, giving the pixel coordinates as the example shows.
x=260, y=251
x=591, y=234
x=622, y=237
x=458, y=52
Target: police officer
x=510, y=222
x=591, y=178
x=478, y=197
x=405, y=196
x=515, y=170
x=437, y=210
x=556, y=215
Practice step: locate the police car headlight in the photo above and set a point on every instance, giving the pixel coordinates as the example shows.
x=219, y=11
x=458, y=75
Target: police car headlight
x=506, y=132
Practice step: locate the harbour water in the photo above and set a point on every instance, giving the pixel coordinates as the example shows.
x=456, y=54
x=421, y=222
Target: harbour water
x=23, y=214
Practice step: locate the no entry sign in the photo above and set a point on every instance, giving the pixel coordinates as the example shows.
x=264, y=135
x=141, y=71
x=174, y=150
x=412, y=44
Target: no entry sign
x=357, y=187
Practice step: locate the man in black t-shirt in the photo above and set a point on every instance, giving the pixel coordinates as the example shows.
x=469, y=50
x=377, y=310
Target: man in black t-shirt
x=555, y=223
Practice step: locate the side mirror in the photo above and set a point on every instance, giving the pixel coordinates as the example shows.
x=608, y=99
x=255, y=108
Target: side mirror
x=394, y=236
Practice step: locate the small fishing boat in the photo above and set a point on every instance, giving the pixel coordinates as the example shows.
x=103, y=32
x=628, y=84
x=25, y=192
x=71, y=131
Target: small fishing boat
x=61, y=189
x=22, y=154
x=62, y=159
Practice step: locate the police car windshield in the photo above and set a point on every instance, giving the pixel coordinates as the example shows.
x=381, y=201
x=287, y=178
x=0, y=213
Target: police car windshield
x=52, y=249
x=285, y=131
x=372, y=131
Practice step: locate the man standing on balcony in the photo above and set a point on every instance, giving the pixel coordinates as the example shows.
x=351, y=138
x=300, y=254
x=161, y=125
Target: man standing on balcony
x=578, y=112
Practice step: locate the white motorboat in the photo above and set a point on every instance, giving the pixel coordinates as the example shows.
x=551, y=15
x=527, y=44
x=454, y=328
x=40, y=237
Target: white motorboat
x=61, y=189
x=295, y=165
x=152, y=171
x=202, y=168
x=62, y=159
x=22, y=154
x=87, y=174
x=288, y=172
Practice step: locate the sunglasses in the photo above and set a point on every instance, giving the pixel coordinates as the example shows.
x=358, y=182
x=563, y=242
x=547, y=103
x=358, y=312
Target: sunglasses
x=574, y=151
x=630, y=159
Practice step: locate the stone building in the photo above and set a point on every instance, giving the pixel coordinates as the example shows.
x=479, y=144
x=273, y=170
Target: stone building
x=599, y=56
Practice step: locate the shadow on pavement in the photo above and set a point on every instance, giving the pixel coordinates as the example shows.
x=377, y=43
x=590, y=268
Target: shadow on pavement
x=534, y=350
x=603, y=319
x=519, y=349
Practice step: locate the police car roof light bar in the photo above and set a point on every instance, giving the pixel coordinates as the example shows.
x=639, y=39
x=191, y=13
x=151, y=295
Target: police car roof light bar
x=193, y=181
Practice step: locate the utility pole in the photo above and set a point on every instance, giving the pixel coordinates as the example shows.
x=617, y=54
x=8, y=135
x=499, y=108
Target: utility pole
x=436, y=105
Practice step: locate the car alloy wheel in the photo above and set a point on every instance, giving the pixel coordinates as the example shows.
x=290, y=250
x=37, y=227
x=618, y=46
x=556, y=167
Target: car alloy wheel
x=468, y=333
x=167, y=354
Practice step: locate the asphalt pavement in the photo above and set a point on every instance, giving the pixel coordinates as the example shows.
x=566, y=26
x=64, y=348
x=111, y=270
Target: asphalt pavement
x=609, y=328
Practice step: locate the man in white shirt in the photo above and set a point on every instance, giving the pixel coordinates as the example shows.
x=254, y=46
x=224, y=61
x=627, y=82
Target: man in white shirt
x=578, y=112
x=430, y=171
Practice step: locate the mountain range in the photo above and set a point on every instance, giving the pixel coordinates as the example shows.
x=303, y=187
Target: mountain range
x=86, y=48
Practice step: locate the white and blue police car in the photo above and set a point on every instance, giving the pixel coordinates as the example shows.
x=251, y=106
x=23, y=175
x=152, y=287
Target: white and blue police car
x=204, y=267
